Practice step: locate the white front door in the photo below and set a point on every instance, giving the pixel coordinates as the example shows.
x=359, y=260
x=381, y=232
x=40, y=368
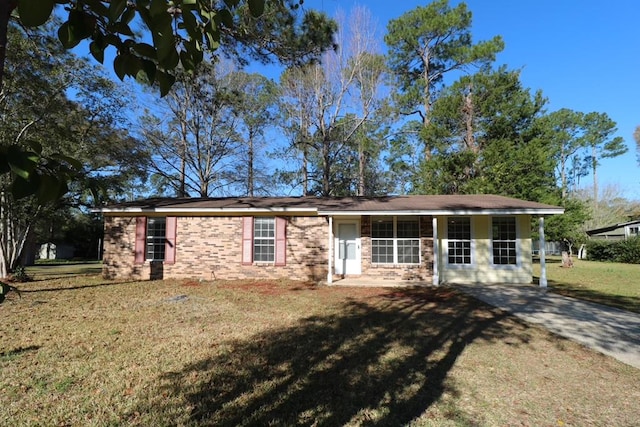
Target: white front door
x=347, y=247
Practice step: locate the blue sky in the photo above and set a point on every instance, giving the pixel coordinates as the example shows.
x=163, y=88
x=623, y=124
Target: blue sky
x=583, y=55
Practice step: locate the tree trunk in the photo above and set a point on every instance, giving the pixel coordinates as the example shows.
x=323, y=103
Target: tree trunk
x=361, y=170
x=6, y=7
x=594, y=165
x=305, y=172
x=250, y=178
x=13, y=236
x=182, y=192
x=469, y=139
x=326, y=169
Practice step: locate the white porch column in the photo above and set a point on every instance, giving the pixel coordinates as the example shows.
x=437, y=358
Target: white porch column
x=543, y=261
x=436, y=252
x=330, y=253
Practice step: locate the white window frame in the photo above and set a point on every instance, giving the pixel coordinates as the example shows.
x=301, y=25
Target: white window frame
x=516, y=242
x=395, y=239
x=264, y=241
x=151, y=241
x=472, y=244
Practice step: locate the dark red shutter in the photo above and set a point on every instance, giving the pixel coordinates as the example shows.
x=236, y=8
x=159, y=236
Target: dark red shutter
x=281, y=241
x=170, y=245
x=141, y=239
x=247, y=240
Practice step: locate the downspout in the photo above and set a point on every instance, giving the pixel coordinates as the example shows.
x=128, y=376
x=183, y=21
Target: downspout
x=543, y=261
x=436, y=252
x=330, y=252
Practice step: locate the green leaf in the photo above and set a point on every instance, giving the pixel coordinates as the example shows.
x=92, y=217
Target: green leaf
x=119, y=66
x=149, y=69
x=163, y=38
x=116, y=7
x=190, y=24
x=158, y=7
x=133, y=65
x=66, y=37
x=81, y=25
x=213, y=36
x=74, y=163
x=256, y=7
x=35, y=146
x=187, y=61
x=226, y=18
x=122, y=28
x=35, y=12
x=51, y=188
x=22, y=187
x=171, y=61
x=22, y=163
x=97, y=51
x=165, y=81
x=145, y=50
x=128, y=15
x=18, y=170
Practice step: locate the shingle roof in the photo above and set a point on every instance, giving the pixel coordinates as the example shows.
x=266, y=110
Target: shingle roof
x=432, y=204
x=612, y=227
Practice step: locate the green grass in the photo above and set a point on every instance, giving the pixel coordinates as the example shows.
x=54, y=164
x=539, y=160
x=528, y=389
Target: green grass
x=58, y=270
x=84, y=351
x=613, y=284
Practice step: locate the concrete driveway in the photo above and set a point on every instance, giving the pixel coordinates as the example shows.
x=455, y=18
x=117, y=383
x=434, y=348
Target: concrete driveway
x=608, y=330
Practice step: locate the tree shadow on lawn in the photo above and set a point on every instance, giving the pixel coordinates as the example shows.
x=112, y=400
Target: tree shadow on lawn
x=382, y=360
x=73, y=286
x=618, y=301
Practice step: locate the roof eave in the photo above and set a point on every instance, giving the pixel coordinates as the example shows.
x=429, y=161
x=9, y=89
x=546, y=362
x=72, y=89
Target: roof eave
x=169, y=210
x=518, y=211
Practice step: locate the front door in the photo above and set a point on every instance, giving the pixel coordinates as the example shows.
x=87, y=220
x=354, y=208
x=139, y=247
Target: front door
x=347, y=247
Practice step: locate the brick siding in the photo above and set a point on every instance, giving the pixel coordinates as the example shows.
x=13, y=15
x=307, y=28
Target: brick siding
x=211, y=248
x=399, y=272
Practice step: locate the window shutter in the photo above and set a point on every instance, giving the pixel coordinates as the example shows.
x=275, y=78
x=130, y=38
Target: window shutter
x=247, y=240
x=170, y=245
x=281, y=241
x=141, y=239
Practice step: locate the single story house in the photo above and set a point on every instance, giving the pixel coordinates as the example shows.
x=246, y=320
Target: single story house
x=399, y=239
x=621, y=231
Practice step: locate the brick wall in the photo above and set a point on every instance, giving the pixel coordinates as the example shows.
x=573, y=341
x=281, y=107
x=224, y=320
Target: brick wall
x=211, y=248
x=402, y=272
x=119, y=250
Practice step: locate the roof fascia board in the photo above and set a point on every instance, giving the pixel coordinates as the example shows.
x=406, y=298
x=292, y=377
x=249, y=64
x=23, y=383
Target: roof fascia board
x=169, y=210
x=528, y=211
x=205, y=210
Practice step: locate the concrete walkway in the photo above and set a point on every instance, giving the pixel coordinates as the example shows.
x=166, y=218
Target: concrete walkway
x=608, y=330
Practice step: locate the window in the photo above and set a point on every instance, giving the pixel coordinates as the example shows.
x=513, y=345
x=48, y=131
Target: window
x=634, y=231
x=395, y=241
x=459, y=241
x=504, y=241
x=156, y=238
x=264, y=239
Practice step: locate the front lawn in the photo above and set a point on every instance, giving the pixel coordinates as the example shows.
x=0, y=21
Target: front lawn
x=83, y=351
x=609, y=283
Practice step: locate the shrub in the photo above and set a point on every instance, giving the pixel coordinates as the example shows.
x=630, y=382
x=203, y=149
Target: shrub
x=20, y=274
x=626, y=251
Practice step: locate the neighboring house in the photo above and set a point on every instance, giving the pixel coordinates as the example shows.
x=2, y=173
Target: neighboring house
x=409, y=239
x=622, y=231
